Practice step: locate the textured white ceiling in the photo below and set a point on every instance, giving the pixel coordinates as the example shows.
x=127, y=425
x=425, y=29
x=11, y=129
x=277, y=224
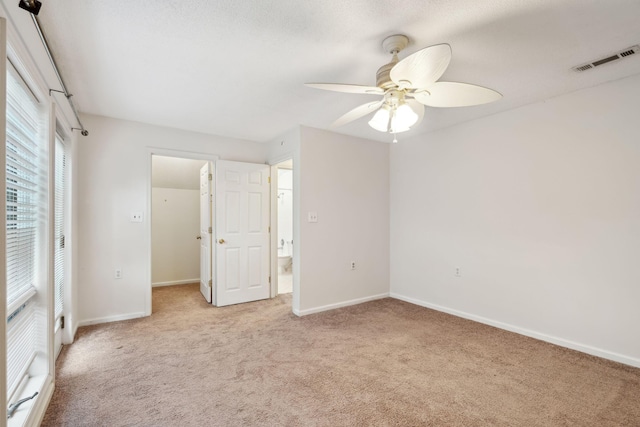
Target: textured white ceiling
x=237, y=68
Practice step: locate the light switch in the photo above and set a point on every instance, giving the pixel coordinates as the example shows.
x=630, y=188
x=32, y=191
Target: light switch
x=312, y=217
x=136, y=216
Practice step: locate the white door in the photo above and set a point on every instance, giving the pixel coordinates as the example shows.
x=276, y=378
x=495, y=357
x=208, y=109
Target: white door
x=242, y=232
x=205, y=231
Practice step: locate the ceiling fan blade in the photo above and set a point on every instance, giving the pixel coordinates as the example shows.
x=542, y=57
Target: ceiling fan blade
x=357, y=112
x=451, y=94
x=423, y=68
x=337, y=87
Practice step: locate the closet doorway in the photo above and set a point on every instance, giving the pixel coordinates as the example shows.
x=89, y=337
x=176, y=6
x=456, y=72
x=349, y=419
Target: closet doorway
x=176, y=226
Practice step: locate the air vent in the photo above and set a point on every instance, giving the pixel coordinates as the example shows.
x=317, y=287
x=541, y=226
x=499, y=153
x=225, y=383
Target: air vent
x=584, y=67
x=622, y=54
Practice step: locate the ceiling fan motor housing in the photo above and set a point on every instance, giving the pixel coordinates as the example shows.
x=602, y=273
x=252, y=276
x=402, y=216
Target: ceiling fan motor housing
x=392, y=45
x=394, y=98
x=383, y=78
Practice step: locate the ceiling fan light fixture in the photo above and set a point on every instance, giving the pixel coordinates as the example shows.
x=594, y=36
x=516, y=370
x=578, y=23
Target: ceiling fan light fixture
x=407, y=86
x=394, y=119
x=380, y=120
x=404, y=117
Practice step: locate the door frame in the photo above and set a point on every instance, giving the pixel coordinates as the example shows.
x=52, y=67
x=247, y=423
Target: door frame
x=208, y=235
x=295, y=269
x=274, y=230
x=67, y=333
x=166, y=152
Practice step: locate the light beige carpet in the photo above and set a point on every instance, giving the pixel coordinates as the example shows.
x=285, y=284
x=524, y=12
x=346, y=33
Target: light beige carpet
x=383, y=363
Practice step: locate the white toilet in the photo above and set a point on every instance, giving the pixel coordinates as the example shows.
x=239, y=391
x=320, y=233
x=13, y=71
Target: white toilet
x=284, y=260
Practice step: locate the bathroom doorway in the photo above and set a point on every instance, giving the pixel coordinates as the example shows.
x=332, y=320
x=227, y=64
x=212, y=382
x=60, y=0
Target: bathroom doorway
x=285, y=227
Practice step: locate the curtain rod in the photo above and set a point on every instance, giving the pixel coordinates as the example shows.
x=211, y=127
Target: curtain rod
x=64, y=90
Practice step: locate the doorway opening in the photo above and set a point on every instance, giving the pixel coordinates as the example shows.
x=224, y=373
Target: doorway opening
x=238, y=231
x=284, y=212
x=176, y=221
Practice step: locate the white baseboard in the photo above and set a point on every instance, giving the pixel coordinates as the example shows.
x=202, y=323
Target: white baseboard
x=109, y=319
x=339, y=305
x=75, y=332
x=175, y=282
x=605, y=354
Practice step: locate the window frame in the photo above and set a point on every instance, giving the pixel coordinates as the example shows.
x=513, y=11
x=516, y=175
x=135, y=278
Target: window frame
x=24, y=306
x=41, y=371
x=25, y=53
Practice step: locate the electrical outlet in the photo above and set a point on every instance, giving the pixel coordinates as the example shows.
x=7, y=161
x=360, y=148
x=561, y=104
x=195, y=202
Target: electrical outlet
x=312, y=217
x=457, y=272
x=118, y=274
x=353, y=265
x=136, y=217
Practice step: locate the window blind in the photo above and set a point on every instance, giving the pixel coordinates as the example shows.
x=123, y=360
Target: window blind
x=24, y=202
x=59, y=239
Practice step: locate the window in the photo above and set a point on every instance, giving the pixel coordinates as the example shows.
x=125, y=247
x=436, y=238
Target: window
x=25, y=209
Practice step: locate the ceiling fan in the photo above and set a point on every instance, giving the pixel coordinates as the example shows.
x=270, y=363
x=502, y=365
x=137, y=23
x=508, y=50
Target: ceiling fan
x=407, y=86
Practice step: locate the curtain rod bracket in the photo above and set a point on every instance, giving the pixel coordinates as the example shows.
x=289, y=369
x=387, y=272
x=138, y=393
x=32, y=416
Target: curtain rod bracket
x=83, y=131
x=31, y=6
x=68, y=96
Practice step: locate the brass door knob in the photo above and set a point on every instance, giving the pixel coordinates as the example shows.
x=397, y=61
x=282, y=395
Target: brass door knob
x=221, y=241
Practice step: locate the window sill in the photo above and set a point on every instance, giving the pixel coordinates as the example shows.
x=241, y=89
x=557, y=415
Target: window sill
x=32, y=412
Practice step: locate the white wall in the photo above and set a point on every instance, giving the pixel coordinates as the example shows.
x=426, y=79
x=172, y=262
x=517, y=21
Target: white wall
x=346, y=181
x=175, y=172
x=175, y=223
x=175, y=220
x=114, y=179
x=540, y=209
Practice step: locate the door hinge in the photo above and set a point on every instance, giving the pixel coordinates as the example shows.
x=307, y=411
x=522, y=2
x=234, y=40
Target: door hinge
x=269, y=279
x=61, y=322
x=210, y=177
x=269, y=229
x=210, y=230
x=62, y=242
x=210, y=283
x=269, y=180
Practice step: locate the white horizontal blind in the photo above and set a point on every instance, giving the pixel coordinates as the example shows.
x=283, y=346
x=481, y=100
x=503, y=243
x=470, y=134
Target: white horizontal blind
x=23, y=210
x=22, y=187
x=59, y=239
x=21, y=349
